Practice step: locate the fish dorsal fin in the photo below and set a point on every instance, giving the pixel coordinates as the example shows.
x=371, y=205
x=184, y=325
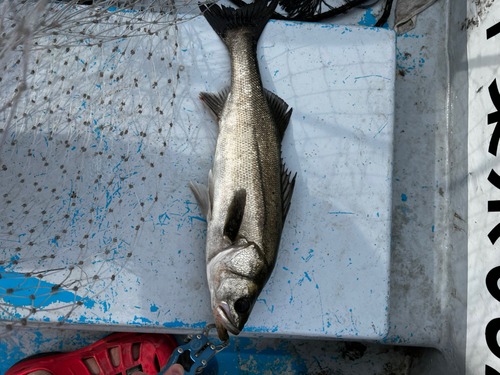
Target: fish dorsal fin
x=278, y=109
x=216, y=101
x=204, y=196
x=235, y=214
x=286, y=189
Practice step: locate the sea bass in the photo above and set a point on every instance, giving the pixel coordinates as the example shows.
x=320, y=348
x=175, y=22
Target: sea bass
x=249, y=190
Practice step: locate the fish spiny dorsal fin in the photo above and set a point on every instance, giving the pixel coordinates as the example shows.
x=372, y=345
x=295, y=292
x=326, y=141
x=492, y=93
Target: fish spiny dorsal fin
x=254, y=16
x=278, y=109
x=235, y=214
x=216, y=101
x=286, y=189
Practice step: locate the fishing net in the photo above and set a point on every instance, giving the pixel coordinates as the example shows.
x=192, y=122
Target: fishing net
x=82, y=148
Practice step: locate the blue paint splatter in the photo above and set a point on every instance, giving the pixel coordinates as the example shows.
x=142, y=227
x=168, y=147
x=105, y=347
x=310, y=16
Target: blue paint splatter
x=309, y=256
x=142, y=319
x=404, y=198
x=411, y=36
x=382, y=128
x=42, y=293
x=368, y=19
x=371, y=75
x=178, y=324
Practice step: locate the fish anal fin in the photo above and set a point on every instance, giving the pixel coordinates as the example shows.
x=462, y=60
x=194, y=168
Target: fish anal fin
x=279, y=110
x=287, y=186
x=235, y=213
x=211, y=186
x=202, y=196
x=215, y=101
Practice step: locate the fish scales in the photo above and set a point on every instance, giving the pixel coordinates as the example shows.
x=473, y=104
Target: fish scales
x=249, y=192
x=248, y=154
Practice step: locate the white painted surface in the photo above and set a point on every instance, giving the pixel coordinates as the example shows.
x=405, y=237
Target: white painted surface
x=484, y=68
x=332, y=272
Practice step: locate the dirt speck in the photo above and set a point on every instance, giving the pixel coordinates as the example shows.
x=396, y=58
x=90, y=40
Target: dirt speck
x=481, y=7
x=353, y=350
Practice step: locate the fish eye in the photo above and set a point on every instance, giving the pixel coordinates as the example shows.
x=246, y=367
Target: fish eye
x=242, y=305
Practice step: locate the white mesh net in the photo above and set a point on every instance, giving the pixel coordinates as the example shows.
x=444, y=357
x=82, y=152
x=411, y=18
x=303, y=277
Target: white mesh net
x=76, y=142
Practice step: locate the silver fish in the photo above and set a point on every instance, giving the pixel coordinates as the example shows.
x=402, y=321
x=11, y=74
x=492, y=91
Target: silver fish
x=249, y=190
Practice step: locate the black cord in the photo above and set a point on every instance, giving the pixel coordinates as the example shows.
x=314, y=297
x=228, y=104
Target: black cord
x=385, y=16
x=314, y=18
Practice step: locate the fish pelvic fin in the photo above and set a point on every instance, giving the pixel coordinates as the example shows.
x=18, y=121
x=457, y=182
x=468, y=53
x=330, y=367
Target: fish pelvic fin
x=254, y=16
x=235, y=214
x=216, y=101
x=280, y=111
x=203, y=196
x=211, y=187
x=287, y=186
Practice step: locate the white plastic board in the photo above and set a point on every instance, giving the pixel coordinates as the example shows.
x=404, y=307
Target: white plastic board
x=140, y=238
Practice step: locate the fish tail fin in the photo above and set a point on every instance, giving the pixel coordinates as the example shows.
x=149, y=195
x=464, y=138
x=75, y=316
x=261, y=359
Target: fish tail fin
x=254, y=16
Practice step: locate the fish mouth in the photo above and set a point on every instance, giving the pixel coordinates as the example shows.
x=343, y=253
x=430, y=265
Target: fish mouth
x=223, y=321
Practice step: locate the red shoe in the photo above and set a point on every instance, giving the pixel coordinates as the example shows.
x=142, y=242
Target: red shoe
x=154, y=351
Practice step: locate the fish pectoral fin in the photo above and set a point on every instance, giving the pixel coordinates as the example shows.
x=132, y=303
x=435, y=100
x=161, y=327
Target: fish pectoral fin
x=202, y=195
x=216, y=101
x=235, y=214
x=286, y=189
x=279, y=110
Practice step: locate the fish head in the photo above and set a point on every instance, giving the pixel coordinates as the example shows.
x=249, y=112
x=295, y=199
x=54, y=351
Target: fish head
x=236, y=277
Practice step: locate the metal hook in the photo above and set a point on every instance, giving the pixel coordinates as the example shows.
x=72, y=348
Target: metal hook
x=219, y=347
